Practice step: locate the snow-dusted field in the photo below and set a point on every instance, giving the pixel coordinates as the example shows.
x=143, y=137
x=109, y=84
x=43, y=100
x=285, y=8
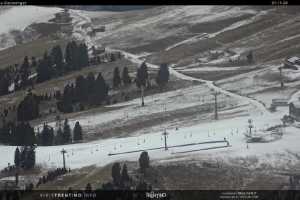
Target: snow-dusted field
x=233, y=130
x=277, y=152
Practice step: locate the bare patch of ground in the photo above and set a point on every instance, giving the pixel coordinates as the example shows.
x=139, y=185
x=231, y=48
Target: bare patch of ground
x=187, y=174
x=216, y=75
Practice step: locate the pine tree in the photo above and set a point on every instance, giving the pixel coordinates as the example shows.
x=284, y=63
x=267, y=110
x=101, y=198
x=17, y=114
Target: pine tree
x=144, y=161
x=125, y=76
x=17, y=157
x=142, y=79
x=115, y=173
x=66, y=132
x=163, y=75
x=24, y=71
x=28, y=109
x=77, y=132
x=23, y=156
x=81, y=88
x=29, y=135
x=142, y=76
x=116, y=78
x=88, y=187
x=44, y=70
x=33, y=62
x=59, y=136
x=57, y=58
x=84, y=57
x=4, y=84
x=72, y=56
x=47, y=135
x=65, y=105
x=69, y=56
x=19, y=134
x=76, y=56
x=5, y=137
x=30, y=157
x=13, y=134
x=101, y=90
x=91, y=89
x=124, y=176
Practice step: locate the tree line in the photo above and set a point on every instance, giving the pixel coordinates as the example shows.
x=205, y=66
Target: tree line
x=57, y=64
x=25, y=157
x=121, y=179
x=23, y=134
x=54, y=64
x=85, y=90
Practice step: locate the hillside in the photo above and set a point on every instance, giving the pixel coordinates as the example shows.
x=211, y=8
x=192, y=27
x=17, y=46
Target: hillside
x=223, y=64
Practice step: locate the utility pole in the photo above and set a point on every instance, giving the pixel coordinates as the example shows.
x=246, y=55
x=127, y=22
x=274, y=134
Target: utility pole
x=63, y=151
x=216, y=104
x=165, y=136
x=281, y=80
x=142, y=95
x=250, y=126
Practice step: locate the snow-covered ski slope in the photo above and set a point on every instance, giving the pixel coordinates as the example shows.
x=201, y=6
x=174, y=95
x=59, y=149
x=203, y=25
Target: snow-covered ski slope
x=161, y=22
x=232, y=129
x=96, y=152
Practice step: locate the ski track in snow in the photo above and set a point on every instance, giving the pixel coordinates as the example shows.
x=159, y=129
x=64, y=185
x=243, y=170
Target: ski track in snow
x=202, y=36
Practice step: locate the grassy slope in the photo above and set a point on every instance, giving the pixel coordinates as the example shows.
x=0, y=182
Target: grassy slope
x=16, y=54
x=176, y=175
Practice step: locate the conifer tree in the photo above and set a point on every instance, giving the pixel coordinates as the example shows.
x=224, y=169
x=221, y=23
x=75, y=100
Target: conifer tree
x=81, y=88
x=47, y=135
x=25, y=71
x=28, y=109
x=101, y=90
x=116, y=173
x=33, y=62
x=163, y=74
x=17, y=157
x=57, y=58
x=68, y=56
x=30, y=158
x=142, y=76
x=29, y=135
x=88, y=187
x=66, y=132
x=83, y=53
x=59, y=136
x=77, y=132
x=125, y=76
x=124, y=175
x=116, y=78
x=144, y=161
